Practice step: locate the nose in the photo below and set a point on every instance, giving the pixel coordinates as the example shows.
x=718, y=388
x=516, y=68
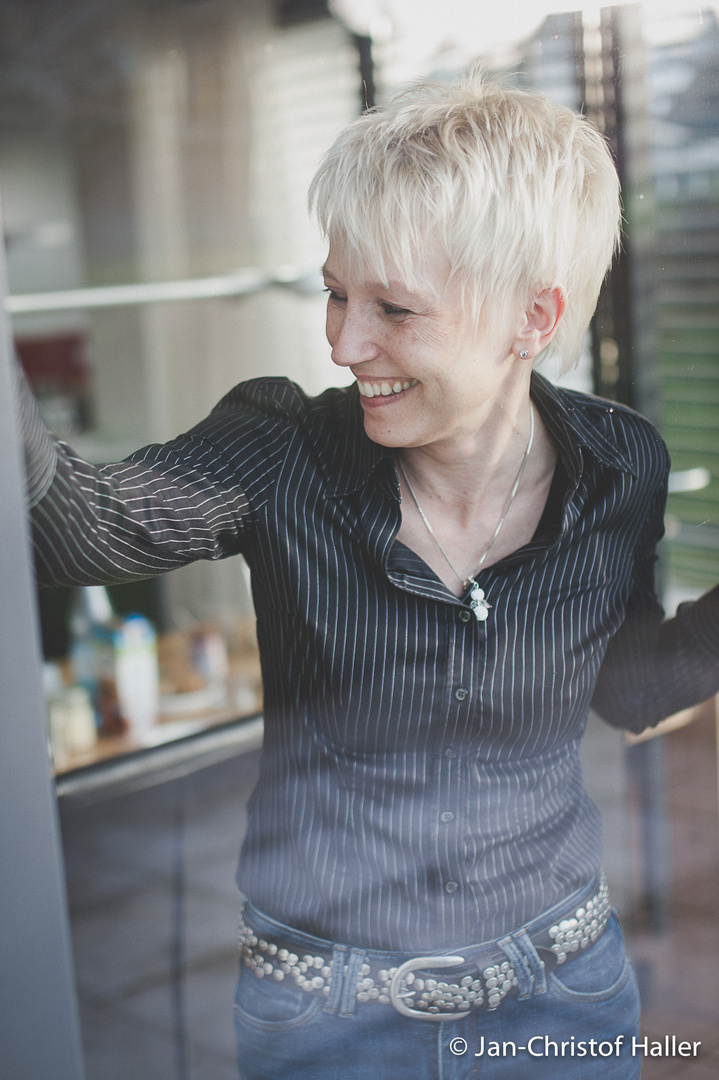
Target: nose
x=349, y=334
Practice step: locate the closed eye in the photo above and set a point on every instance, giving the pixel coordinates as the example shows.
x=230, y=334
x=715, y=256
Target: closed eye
x=390, y=309
x=335, y=297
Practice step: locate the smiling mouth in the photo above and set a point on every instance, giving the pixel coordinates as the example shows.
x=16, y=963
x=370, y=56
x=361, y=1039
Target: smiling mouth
x=384, y=387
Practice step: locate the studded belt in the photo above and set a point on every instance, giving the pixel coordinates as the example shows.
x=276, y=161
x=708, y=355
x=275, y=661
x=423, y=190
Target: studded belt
x=415, y=986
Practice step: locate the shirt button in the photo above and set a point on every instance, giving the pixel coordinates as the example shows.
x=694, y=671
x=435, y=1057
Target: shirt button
x=461, y=693
x=451, y=886
x=450, y=752
x=447, y=815
x=464, y=615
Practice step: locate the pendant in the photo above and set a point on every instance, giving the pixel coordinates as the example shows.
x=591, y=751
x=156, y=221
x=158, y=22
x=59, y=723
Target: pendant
x=478, y=604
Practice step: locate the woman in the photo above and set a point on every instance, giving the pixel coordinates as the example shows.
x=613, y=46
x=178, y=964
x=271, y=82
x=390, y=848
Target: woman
x=443, y=557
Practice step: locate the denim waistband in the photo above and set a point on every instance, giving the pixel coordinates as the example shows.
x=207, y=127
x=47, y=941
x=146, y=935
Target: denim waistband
x=483, y=973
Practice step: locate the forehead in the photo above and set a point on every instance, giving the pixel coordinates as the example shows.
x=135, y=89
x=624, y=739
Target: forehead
x=425, y=275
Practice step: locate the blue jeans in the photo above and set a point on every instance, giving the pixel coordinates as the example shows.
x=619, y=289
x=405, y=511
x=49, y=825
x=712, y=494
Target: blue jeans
x=580, y=1025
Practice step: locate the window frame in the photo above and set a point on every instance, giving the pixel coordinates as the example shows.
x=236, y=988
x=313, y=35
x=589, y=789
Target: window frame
x=39, y=1019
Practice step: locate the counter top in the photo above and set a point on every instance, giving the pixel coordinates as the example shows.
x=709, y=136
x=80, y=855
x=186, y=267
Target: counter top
x=177, y=748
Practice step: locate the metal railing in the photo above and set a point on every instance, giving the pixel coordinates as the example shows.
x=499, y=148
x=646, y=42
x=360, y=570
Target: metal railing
x=244, y=282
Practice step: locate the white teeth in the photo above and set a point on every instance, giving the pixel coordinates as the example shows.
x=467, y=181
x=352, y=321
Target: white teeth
x=384, y=389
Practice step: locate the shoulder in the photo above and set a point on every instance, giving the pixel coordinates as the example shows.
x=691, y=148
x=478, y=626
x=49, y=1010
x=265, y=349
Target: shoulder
x=279, y=398
x=259, y=427
x=614, y=433
x=276, y=405
x=627, y=429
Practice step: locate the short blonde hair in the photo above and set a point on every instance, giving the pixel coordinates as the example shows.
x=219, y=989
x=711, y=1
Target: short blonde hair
x=518, y=193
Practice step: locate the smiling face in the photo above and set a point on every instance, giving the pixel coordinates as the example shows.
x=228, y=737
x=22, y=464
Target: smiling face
x=426, y=373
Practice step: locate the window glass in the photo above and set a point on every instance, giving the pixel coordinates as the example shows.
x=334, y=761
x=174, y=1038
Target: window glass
x=154, y=161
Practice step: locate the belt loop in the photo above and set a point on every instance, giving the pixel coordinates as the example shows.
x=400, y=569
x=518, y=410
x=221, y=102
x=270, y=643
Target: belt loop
x=339, y=954
x=521, y=966
x=352, y=975
x=528, y=965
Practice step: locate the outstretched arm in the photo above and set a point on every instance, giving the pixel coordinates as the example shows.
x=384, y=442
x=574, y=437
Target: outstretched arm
x=162, y=508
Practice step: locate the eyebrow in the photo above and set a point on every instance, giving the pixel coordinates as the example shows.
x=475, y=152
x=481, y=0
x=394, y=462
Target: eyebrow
x=416, y=295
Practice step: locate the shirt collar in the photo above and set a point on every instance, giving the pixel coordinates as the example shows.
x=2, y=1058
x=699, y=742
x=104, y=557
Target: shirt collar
x=349, y=458
x=575, y=422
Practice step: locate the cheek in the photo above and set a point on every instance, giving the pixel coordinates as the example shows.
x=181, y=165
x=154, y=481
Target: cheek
x=437, y=342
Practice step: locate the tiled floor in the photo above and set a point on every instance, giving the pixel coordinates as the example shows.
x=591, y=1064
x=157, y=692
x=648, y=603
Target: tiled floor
x=125, y=872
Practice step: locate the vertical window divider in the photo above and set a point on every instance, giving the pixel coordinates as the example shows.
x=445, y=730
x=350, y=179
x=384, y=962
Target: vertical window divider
x=39, y=1022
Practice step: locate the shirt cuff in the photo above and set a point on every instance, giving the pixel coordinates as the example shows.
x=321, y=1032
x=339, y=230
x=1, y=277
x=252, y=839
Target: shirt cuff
x=703, y=618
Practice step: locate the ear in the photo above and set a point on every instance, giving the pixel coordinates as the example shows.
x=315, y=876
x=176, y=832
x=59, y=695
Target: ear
x=542, y=318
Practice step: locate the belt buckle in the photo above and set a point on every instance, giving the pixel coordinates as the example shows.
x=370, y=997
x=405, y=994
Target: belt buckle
x=416, y=963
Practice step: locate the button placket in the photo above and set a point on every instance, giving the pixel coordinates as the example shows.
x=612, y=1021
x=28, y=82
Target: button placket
x=449, y=770
x=464, y=646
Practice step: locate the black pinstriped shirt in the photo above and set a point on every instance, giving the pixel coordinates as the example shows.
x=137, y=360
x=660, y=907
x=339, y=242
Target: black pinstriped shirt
x=420, y=784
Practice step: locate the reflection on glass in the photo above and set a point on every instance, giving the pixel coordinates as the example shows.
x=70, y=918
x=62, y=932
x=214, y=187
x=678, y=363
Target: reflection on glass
x=163, y=141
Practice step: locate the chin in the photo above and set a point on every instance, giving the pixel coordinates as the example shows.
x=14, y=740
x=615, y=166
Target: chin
x=392, y=438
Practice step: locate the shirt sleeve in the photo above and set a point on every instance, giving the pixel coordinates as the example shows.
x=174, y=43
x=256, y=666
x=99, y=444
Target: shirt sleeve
x=39, y=447
x=165, y=506
x=654, y=666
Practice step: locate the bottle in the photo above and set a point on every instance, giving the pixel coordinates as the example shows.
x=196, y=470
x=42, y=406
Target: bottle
x=71, y=717
x=115, y=660
x=92, y=630
x=137, y=672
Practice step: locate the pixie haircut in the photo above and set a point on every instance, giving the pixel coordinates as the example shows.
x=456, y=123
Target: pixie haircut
x=519, y=195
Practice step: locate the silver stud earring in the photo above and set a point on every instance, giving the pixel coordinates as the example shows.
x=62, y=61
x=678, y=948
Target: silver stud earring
x=524, y=354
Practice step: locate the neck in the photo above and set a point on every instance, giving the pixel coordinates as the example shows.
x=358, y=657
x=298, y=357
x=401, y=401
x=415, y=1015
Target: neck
x=467, y=466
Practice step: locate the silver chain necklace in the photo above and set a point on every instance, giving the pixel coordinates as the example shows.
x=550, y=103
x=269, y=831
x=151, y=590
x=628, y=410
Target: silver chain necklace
x=477, y=599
